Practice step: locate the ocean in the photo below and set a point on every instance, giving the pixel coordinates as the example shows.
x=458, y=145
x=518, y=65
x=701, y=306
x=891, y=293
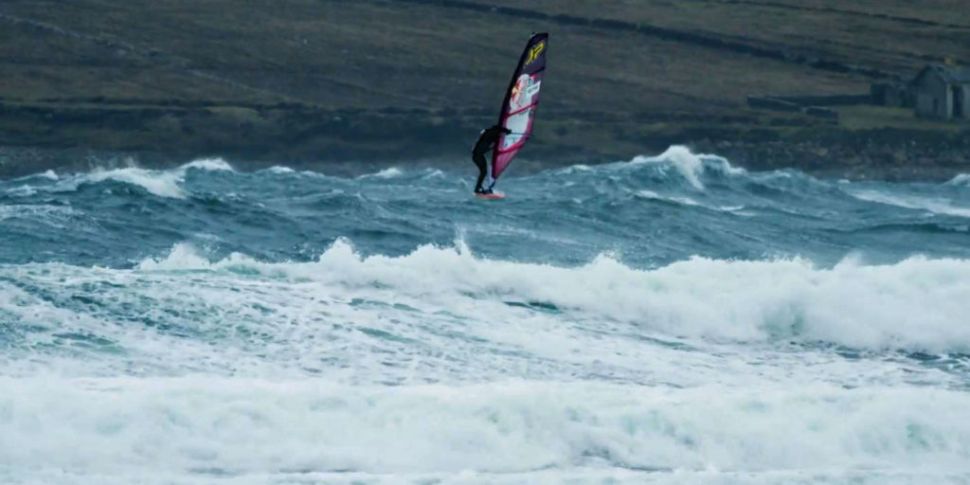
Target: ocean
x=667, y=319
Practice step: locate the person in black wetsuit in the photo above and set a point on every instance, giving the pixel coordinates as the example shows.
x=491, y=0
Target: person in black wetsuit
x=486, y=142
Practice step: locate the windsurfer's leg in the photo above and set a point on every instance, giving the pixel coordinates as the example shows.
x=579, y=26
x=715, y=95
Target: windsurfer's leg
x=482, y=170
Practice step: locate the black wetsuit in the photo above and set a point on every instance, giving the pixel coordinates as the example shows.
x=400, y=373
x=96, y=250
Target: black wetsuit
x=486, y=141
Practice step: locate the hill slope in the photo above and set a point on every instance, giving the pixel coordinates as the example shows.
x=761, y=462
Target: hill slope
x=369, y=80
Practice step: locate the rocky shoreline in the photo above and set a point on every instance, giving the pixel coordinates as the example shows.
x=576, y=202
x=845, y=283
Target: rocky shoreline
x=343, y=145
x=84, y=136
x=881, y=154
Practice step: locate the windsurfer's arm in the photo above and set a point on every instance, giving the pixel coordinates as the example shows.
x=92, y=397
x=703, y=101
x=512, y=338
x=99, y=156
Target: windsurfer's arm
x=498, y=131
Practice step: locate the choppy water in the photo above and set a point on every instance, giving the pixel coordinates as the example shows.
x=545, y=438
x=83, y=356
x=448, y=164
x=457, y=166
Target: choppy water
x=672, y=319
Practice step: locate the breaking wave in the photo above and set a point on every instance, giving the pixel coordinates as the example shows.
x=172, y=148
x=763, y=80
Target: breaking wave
x=665, y=319
x=690, y=165
x=162, y=183
x=932, y=205
x=916, y=304
x=225, y=427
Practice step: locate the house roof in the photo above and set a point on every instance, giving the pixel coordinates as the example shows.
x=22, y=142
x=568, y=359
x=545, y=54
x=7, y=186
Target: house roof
x=950, y=74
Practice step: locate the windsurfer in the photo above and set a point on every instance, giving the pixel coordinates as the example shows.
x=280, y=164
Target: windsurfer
x=487, y=140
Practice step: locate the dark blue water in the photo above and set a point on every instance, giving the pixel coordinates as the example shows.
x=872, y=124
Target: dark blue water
x=647, y=213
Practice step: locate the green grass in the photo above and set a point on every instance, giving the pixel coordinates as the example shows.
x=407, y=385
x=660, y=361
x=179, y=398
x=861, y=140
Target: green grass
x=874, y=117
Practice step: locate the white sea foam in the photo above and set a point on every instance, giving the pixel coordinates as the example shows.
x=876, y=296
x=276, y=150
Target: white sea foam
x=162, y=183
x=580, y=167
x=933, y=205
x=387, y=173
x=21, y=191
x=49, y=175
x=182, y=256
x=55, y=215
x=442, y=314
x=278, y=169
x=458, y=317
x=210, y=164
x=651, y=195
x=433, y=174
x=502, y=372
x=918, y=303
x=687, y=201
x=443, y=366
x=960, y=179
x=242, y=427
x=690, y=165
x=25, y=189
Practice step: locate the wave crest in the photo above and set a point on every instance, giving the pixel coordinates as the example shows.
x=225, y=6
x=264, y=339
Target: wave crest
x=517, y=427
x=918, y=303
x=690, y=165
x=961, y=179
x=161, y=183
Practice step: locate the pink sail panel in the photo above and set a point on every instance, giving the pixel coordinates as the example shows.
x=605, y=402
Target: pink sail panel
x=521, y=101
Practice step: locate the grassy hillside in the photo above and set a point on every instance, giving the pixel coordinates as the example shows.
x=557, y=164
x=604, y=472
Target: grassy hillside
x=319, y=80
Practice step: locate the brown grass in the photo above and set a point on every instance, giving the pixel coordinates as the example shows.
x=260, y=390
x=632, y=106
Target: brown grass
x=450, y=61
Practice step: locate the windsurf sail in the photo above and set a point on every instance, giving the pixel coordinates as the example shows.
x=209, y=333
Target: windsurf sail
x=521, y=100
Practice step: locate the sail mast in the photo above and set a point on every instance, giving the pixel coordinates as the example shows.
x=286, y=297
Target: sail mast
x=520, y=103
